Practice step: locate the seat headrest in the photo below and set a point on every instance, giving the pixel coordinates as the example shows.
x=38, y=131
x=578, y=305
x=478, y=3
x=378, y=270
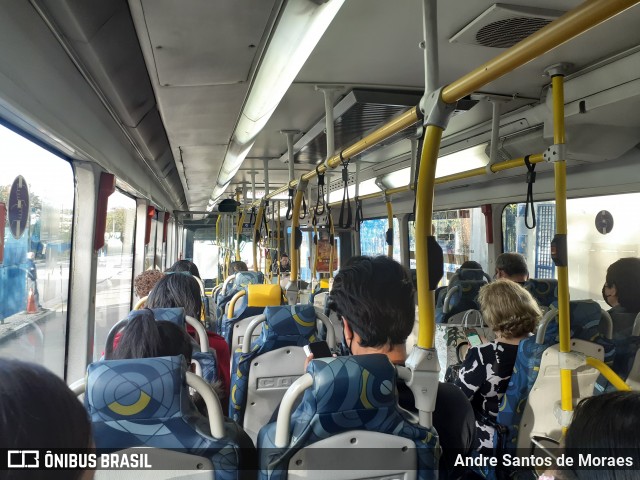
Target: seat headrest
x=470, y=274
x=243, y=279
x=173, y=315
x=135, y=389
x=544, y=290
x=264, y=295
x=584, y=320
x=356, y=382
x=289, y=321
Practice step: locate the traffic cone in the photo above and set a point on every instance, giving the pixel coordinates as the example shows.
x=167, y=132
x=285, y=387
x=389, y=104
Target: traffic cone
x=31, y=302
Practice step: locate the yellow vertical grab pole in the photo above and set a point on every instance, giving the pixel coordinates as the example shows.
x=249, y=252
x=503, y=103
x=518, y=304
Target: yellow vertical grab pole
x=295, y=223
x=239, y=232
x=256, y=229
x=218, y=243
x=278, y=241
x=424, y=212
x=560, y=173
x=387, y=200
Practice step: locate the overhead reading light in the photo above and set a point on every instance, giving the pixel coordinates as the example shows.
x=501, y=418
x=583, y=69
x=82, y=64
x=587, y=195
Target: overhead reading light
x=457, y=162
x=300, y=27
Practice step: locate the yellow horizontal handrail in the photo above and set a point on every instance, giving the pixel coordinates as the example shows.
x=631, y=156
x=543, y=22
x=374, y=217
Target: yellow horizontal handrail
x=383, y=132
x=609, y=374
x=475, y=172
x=570, y=25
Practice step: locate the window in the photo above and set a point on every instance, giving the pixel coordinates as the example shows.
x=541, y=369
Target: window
x=373, y=237
x=460, y=234
x=205, y=253
x=115, y=268
x=35, y=269
x=590, y=250
x=149, y=259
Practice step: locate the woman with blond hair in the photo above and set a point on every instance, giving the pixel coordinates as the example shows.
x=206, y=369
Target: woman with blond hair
x=512, y=313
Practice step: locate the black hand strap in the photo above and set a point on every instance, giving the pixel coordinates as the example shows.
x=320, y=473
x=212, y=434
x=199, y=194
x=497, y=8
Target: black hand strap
x=289, y=214
x=531, y=179
x=320, y=201
x=252, y=216
x=346, y=202
x=359, y=216
x=304, y=208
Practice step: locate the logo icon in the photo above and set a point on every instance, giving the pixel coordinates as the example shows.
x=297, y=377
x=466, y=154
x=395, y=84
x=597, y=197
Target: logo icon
x=23, y=458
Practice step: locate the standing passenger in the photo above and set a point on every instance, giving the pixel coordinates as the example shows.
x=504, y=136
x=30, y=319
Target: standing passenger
x=512, y=313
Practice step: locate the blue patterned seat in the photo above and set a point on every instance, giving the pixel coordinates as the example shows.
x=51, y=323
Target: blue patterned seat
x=240, y=281
x=145, y=402
x=544, y=290
x=261, y=376
x=462, y=291
x=351, y=396
x=585, y=317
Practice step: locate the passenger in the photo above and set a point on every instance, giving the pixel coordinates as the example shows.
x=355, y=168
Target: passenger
x=512, y=266
x=38, y=411
x=622, y=293
x=471, y=264
x=603, y=425
x=238, y=266
x=181, y=290
x=374, y=298
x=512, y=313
x=144, y=282
x=285, y=266
x=185, y=266
x=144, y=337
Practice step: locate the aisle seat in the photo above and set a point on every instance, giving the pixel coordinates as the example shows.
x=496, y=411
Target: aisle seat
x=264, y=369
x=146, y=403
x=351, y=404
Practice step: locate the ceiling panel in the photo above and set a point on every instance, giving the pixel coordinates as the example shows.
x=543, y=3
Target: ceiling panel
x=200, y=42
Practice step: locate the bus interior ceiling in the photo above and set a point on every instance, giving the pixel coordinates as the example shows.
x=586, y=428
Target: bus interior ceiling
x=155, y=92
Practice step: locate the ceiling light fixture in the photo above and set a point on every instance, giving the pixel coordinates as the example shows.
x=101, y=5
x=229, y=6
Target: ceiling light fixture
x=299, y=29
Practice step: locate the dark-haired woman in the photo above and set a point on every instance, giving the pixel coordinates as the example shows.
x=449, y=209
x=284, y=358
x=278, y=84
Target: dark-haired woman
x=184, y=266
x=182, y=290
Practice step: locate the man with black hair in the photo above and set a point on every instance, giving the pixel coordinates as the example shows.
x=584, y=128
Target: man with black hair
x=512, y=266
x=374, y=298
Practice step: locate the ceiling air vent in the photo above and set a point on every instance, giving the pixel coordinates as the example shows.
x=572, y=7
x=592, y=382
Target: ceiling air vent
x=503, y=25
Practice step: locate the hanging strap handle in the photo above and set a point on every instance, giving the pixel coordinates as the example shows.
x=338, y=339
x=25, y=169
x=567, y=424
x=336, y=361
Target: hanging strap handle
x=531, y=179
x=252, y=216
x=304, y=208
x=320, y=202
x=346, y=202
x=359, y=216
x=289, y=214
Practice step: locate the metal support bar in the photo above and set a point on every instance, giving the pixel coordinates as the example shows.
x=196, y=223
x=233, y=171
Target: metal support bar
x=430, y=32
x=329, y=100
x=266, y=177
x=291, y=156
